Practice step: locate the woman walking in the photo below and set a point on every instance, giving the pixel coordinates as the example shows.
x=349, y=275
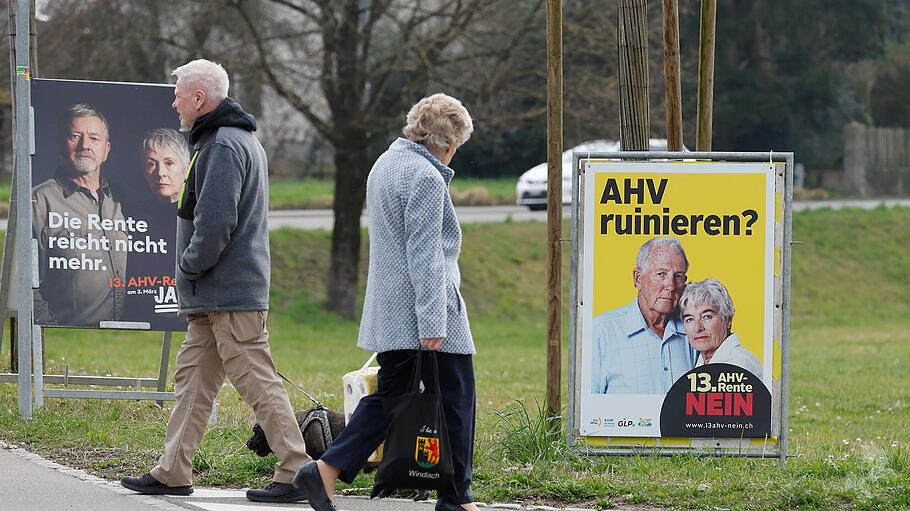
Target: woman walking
x=412, y=299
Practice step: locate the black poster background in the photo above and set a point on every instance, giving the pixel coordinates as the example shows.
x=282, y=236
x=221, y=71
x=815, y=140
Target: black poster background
x=676, y=422
x=131, y=111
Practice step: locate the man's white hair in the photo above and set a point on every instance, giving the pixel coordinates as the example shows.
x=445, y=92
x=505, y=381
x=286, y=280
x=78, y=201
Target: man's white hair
x=206, y=76
x=644, y=253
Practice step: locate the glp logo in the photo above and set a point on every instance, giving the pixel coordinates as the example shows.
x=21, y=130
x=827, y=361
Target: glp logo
x=625, y=423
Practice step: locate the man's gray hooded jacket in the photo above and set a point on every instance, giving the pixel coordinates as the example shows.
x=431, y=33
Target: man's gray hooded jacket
x=222, y=230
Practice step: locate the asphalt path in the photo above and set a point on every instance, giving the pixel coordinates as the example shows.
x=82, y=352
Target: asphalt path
x=32, y=483
x=323, y=218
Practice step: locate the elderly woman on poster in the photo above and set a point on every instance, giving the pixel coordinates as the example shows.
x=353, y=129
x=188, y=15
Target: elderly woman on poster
x=707, y=314
x=165, y=157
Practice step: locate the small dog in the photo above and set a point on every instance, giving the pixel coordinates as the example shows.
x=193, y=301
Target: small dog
x=312, y=432
x=315, y=440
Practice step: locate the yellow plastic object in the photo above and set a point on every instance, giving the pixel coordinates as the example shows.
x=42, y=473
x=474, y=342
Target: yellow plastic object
x=358, y=384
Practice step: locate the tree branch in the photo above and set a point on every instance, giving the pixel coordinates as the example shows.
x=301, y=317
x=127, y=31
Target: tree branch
x=292, y=98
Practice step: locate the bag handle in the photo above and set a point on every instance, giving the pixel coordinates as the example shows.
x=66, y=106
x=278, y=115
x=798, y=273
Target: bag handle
x=435, y=372
x=369, y=361
x=415, y=377
x=415, y=374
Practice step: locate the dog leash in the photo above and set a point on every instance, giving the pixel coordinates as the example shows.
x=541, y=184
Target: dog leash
x=305, y=393
x=319, y=414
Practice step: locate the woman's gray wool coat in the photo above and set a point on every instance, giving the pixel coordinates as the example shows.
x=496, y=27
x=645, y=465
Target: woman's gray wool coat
x=413, y=281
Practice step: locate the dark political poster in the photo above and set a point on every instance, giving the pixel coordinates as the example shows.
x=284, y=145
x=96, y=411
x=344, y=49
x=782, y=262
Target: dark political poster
x=107, y=170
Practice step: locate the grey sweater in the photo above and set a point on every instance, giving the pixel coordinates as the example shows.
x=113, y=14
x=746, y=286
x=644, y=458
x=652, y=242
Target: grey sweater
x=222, y=232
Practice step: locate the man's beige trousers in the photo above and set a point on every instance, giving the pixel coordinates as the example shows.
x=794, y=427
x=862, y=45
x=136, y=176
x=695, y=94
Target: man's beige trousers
x=233, y=344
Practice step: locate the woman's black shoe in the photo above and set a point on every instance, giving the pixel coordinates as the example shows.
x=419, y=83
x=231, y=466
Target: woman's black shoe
x=444, y=505
x=310, y=481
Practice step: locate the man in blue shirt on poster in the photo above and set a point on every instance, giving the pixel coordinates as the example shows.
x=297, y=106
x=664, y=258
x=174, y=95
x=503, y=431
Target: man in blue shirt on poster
x=642, y=348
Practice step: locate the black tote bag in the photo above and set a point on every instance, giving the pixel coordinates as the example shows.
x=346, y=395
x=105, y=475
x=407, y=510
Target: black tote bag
x=417, y=454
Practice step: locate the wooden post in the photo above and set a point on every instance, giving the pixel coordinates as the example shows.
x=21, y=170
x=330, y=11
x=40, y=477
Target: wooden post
x=672, y=88
x=554, y=206
x=706, y=75
x=634, y=115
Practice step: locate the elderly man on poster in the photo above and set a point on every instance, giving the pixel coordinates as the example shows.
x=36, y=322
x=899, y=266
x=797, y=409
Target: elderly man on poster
x=77, y=263
x=641, y=348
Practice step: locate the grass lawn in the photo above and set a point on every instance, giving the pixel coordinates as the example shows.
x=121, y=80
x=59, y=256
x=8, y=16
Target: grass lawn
x=848, y=390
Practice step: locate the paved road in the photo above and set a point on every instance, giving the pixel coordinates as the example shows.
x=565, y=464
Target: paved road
x=29, y=482
x=323, y=218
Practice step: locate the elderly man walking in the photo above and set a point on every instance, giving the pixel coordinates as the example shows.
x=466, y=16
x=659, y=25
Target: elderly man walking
x=223, y=289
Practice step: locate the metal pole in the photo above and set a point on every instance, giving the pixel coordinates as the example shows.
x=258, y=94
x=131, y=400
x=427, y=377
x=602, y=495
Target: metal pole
x=577, y=205
x=554, y=205
x=24, y=217
x=165, y=359
x=38, y=362
x=706, y=76
x=785, y=337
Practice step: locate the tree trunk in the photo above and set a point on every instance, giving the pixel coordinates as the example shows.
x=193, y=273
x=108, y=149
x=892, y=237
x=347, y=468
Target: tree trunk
x=352, y=164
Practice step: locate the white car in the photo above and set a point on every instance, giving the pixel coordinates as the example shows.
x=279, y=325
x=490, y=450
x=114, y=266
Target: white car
x=531, y=190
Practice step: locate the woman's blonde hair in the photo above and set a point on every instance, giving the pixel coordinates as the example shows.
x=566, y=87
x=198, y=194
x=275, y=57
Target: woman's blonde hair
x=438, y=122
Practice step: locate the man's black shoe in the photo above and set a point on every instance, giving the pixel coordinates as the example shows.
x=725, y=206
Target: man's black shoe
x=444, y=505
x=310, y=481
x=277, y=492
x=148, y=485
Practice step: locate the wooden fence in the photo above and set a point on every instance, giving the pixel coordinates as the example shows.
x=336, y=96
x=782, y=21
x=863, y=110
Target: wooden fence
x=876, y=160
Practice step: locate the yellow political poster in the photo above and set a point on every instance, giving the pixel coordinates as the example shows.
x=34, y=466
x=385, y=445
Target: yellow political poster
x=677, y=299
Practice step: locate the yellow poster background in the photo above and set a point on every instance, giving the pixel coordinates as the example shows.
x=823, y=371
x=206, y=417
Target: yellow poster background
x=737, y=261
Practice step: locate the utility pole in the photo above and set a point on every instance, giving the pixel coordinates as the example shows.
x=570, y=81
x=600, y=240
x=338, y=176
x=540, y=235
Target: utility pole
x=672, y=89
x=634, y=115
x=706, y=75
x=554, y=206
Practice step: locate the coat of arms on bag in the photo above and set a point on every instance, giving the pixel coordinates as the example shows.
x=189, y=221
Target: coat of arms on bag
x=427, y=452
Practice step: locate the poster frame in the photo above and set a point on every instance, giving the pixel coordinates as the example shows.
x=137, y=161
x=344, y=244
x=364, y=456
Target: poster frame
x=700, y=446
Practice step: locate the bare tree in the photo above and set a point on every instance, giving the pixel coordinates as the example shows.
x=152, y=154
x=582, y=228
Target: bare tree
x=352, y=68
